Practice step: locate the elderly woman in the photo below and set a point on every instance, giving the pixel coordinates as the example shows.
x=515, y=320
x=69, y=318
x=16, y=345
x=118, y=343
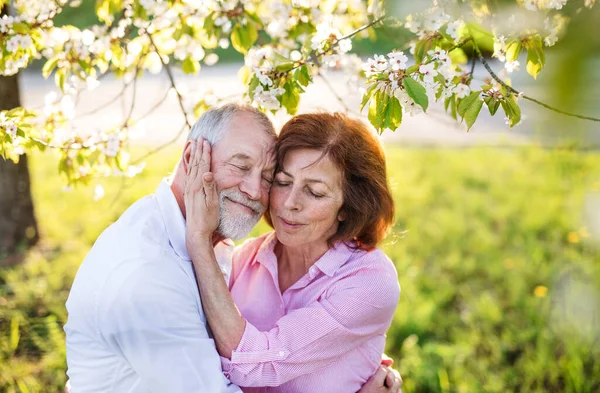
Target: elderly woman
x=311, y=301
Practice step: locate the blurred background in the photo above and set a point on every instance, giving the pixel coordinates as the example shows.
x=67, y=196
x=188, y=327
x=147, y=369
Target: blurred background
x=496, y=241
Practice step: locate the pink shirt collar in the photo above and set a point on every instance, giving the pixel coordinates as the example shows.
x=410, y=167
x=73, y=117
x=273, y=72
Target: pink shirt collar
x=329, y=262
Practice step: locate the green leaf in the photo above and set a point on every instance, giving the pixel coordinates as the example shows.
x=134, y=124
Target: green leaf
x=513, y=49
x=254, y=82
x=512, y=110
x=416, y=91
x=60, y=78
x=482, y=37
x=492, y=104
x=209, y=24
x=393, y=116
x=377, y=110
x=466, y=102
x=303, y=76
x=421, y=49
x=291, y=98
x=286, y=67
x=535, y=55
x=279, y=58
x=472, y=113
x=190, y=66
x=243, y=37
x=49, y=66
x=447, y=103
x=367, y=95
x=453, y=107
x=255, y=18
x=412, y=68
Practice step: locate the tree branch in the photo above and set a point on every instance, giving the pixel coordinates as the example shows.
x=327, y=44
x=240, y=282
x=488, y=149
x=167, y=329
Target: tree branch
x=514, y=91
x=172, y=80
x=314, y=56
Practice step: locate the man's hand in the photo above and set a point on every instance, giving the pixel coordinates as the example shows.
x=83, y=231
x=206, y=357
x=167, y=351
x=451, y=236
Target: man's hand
x=385, y=380
x=200, y=195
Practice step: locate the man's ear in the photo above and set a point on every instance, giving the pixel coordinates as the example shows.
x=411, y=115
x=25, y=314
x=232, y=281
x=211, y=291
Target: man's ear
x=187, y=155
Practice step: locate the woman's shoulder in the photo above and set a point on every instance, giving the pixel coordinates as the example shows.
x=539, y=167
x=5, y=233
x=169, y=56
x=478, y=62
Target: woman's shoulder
x=375, y=259
x=373, y=266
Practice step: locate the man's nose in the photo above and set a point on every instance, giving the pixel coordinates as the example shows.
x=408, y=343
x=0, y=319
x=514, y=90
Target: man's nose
x=251, y=187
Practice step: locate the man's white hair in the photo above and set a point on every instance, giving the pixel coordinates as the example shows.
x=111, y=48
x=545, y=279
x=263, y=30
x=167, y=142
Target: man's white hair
x=214, y=122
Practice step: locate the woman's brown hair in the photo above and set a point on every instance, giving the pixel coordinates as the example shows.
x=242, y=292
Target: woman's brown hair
x=368, y=207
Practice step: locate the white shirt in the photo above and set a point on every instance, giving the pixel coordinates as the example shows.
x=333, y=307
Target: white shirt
x=136, y=323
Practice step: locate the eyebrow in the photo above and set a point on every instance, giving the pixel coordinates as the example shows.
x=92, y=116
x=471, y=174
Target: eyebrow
x=307, y=180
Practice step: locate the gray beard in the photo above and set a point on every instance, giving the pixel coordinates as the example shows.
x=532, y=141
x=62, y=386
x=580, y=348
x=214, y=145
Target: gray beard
x=236, y=226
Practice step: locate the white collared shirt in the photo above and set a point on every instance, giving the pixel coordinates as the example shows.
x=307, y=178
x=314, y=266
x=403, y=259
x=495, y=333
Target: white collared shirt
x=136, y=323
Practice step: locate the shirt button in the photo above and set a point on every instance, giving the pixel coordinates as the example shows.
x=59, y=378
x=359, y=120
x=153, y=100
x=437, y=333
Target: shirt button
x=312, y=271
x=281, y=354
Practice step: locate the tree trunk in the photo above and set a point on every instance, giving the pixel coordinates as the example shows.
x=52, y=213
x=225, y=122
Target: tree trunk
x=18, y=227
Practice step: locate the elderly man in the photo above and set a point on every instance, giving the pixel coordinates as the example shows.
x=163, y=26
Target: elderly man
x=136, y=322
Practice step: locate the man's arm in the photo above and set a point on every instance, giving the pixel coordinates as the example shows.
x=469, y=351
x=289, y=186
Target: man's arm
x=151, y=318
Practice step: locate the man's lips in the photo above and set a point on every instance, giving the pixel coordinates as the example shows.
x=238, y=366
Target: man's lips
x=241, y=204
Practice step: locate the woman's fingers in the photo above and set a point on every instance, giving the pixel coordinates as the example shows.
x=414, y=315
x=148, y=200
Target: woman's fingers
x=394, y=381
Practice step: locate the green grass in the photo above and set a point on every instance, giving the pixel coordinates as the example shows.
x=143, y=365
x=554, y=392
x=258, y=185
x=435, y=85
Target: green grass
x=479, y=233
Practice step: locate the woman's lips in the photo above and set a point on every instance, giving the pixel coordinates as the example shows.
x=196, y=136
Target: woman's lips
x=290, y=224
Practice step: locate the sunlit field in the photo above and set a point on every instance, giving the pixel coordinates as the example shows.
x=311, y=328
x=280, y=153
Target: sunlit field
x=498, y=265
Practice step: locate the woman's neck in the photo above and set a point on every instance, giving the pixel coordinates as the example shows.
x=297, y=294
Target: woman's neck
x=294, y=262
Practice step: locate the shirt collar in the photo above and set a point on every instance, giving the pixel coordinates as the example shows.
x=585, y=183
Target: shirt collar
x=175, y=223
x=329, y=263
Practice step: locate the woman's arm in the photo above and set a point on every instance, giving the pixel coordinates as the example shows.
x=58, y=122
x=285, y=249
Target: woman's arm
x=305, y=340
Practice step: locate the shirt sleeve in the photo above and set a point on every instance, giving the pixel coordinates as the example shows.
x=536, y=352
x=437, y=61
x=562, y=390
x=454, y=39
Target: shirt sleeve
x=150, y=316
x=352, y=311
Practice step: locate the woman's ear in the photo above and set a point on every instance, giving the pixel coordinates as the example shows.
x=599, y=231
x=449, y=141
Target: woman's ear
x=341, y=216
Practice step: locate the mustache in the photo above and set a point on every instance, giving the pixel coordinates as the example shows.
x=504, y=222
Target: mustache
x=238, y=197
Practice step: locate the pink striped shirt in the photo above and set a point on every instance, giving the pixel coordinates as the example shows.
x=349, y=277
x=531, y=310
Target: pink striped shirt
x=325, y=333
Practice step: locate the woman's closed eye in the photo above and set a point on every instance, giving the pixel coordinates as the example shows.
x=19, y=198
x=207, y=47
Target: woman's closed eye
x=315, y=194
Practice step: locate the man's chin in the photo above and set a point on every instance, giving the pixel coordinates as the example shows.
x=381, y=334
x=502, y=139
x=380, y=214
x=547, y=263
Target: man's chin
x=238, y=227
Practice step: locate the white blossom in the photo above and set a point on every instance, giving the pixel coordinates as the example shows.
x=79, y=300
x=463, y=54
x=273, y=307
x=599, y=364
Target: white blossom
x=345, y=46
x=13, y=44
x=428, y=71
x=113, y=145
x=267, y=100
x=11, y=129
x=462, y=90
x=375, y=65
x=262, y=76
x=453, y=27
x=499, y=48
x=511, y=66
x=325, y=32
x=397, y=60
x=224, y=23
x=6, y=23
